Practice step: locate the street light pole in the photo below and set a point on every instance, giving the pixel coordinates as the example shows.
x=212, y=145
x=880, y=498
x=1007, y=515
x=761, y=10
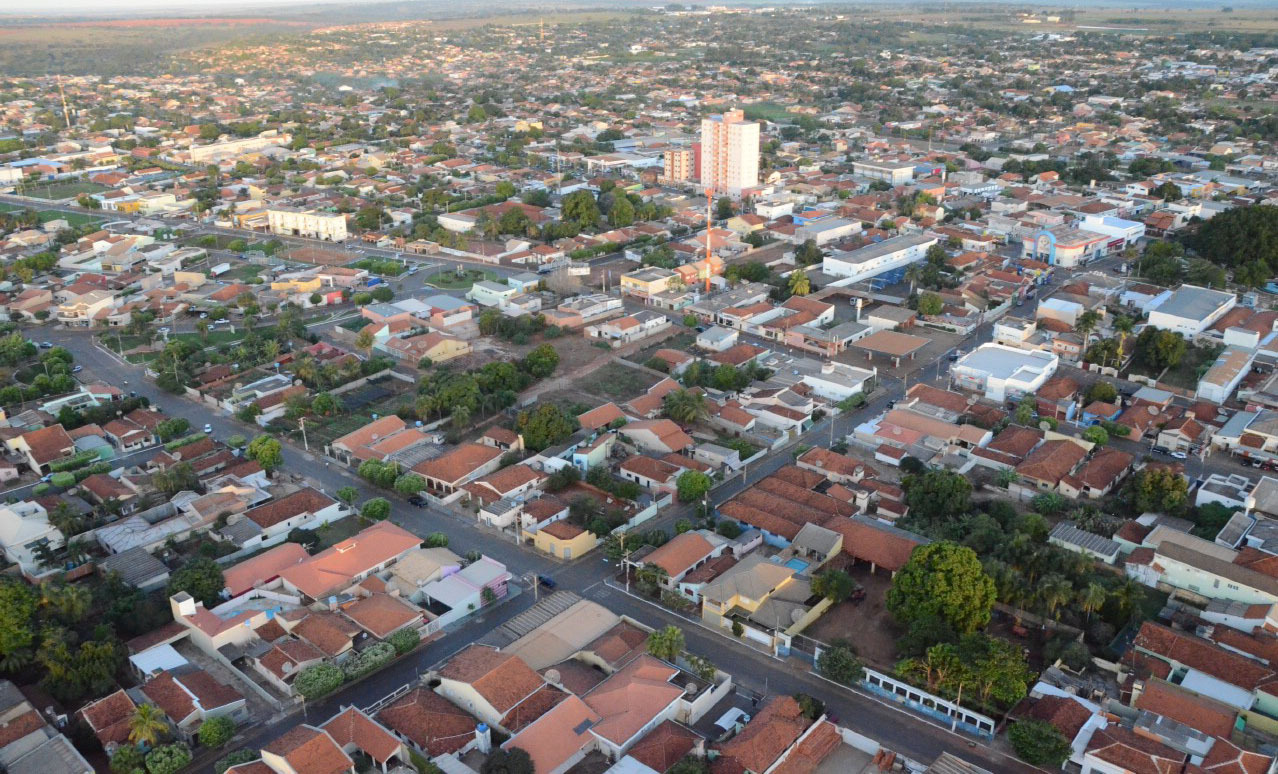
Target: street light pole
x=302, y=423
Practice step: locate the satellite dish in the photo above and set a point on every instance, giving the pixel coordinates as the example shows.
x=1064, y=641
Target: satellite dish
x=1044, y=425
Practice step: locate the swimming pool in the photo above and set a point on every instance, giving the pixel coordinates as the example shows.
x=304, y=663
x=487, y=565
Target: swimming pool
x=798, y=565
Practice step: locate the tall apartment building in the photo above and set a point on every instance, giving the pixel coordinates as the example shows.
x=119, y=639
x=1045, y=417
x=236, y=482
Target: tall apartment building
x=729, y=153
x=308, y=223
x=679, y=165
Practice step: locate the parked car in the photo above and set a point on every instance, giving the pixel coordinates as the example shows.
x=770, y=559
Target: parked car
x=1180, y=455
x=417, y=500
x=77, y=369
x=46, y=345
x=546, y=581
x=208, y=429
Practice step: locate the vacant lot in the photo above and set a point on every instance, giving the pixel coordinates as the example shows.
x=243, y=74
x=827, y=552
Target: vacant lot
x=451, y=280
x=866, y=624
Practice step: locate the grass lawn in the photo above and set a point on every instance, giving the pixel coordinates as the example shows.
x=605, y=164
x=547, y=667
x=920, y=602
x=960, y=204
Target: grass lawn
x=450, y=280
x=75, y=219
x=682, y=342
x=242, y=272
x=63, y=190
x=337, y=531
x=769, y=111
x=618, y=382
x=1191, y=367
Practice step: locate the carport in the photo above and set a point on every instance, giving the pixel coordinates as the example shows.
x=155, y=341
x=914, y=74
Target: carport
x=891, y=344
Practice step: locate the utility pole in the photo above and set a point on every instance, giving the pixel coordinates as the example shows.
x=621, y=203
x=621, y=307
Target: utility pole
x=302, y=423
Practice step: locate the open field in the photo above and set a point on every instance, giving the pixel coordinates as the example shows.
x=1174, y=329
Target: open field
x=63, y=189
x=1099, y=19
x=450, y=280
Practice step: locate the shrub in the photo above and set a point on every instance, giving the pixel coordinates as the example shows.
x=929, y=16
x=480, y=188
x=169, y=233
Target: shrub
x=318, y=680
x=370, y=659
x=216, y=732
x=234, y=759
x=436, y=540
x=840, y=664
x=1039, y=743
x=168, y=759
x=728, y=528
x=73, y=463
x=128, y=759
x=404, y=640
x=63, y=480
x=40, y=489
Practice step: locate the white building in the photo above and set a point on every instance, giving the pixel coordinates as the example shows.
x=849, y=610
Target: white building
x=1191, y=309
x=729, y=153
x=1002, y=372
x=891, y=172
x=880, y=258
x=1122, y=233
x=24, y=528
x=328, y=226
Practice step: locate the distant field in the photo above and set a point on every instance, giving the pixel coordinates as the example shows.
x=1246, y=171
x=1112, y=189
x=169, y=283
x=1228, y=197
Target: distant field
x=1120, y=20
x=73, y=218
x=58, y=191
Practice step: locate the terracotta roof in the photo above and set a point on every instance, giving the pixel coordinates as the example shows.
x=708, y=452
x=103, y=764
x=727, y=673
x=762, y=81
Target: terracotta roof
x=264, y=567
x=109, y=716
x=600, y=416
x=556, y=736
x=165, y=692
x=1104, y=468
x=352, y=726
x=1180, y=648
x=381, y=615
x=769, y=734
x=680, y=553
x=429, y=721
x=502, y=679
x=310, y=751
x=1226, y=758
x=664, y=746
x=653, y=469
x=632, y=697
x=806, y=756
x=1052, y=461
x=18, y=727
x=1199, y=712
x=336, y=567
x=1066, y=715
x=304, y=501
x=48, y=443
x=527, y=711
x=563, y=530
x=324, y=632
x=886, y=547
x=1135, y=754
x=457, y=464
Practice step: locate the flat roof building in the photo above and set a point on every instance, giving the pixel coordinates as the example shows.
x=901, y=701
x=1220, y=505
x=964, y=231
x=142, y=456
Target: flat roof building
x=1002, y=372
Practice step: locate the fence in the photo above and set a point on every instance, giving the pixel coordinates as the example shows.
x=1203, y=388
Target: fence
x=928, y=705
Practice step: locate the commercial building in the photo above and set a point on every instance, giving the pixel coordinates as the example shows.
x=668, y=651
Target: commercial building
x=893, y=173
x=883, y=260
x=328, y=226
x=1002, y=372
x=729, y=153
x=1064, y=246
x=1191, y=309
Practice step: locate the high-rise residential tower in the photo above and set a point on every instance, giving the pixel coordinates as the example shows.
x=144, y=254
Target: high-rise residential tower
x=729, y=153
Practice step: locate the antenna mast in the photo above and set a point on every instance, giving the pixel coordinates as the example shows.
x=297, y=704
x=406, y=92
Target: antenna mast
x=709, y=205
x=66, y=114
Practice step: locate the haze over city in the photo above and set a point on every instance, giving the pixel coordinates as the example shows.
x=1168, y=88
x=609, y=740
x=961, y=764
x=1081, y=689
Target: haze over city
x=638, y=388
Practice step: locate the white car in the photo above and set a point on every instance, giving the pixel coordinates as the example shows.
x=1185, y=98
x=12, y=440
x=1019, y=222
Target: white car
x=1180, y=455
x=208, y=429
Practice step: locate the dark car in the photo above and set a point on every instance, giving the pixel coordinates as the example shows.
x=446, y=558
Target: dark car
x=546, y=581
x=417, y=500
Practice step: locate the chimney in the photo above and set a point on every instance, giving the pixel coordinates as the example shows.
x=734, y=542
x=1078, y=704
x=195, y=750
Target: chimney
x=182, y=604
x=483, y=738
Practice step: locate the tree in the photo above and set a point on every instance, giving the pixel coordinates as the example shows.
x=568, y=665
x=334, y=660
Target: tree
x=376, y=509
x=666, y=643
x=839, y=663
x=364, y=341
x=1244, y=239
x=545, y=426
x=930, y=304
x=541, y=361
x=508, y=760
x=168, y=759
x=723, y=208
x=404, y=640
x=834, y=585
x=1038, y=743
x=216, y=732
x=1086, y=325
x=318, y=680
x=1159, y=349
x=266, y=451
x=946, y=580
x=937, y=495
x=808, y=253
x=580, y=208
x=1096, y=434
x=409, y=484
x=799, y=284
x=692, y=485
x=147, y=725
x=128, y=759
x=172, y=428
x=1157, y=490
x=346, y=495
x=684, y=406
x=201, y=578
x=326, y=404
x=1103, y=392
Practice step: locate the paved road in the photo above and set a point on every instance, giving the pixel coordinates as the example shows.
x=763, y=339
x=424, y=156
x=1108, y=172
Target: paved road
x=900, y=731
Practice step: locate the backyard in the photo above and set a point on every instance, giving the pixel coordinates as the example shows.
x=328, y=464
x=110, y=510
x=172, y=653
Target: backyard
x=359, y=406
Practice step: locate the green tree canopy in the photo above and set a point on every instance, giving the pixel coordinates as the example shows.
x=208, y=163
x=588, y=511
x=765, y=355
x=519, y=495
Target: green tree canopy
x=1038, y=743
x=692, y=485
x=666, y=643
x=201, y=578
x=545, y=426
x=267, y=451
x=946, y=580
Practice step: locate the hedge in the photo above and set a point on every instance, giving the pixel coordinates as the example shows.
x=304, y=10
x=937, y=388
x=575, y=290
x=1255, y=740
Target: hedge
x=371, y=658
x=183, y=441
x=404, y=640
x=78, y=461
x=318, y=680
x=63, y=480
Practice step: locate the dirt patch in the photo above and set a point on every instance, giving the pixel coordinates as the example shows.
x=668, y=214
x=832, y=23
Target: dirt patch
x=866, y=624
x=319, y=256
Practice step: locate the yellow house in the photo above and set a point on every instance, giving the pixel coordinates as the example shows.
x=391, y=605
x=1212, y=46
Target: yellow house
x=439, y=347
x=299, y=285
x=649, y=281
x=767, y=597
x=563, y=540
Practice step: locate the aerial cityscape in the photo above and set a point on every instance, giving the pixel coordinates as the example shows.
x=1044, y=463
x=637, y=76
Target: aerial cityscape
x=676, y=389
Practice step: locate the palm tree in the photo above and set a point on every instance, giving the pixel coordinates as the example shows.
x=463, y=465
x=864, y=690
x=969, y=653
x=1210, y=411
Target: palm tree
x=147, y=725
x=1092, y=598
x=684, y=406
x=1085, y=325
x=914, y=275
x=1123, y=326
x=1054, y=591
x=800, y=285
x=17, y=659
x=70, y=603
